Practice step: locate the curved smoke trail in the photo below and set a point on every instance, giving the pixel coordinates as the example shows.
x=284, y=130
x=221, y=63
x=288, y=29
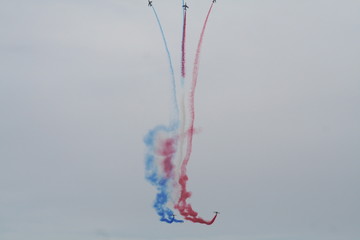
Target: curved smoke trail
x=185, y=208
x=175, y=121
x=162, y=150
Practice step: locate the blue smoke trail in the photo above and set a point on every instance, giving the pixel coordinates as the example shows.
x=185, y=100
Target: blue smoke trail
x=152, y=172
x=175, y=121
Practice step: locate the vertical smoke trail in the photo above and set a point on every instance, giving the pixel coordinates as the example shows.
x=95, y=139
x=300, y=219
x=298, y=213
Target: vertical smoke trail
x=182, y=101
x=163, y=151
x=183, y=73
x=185, y=208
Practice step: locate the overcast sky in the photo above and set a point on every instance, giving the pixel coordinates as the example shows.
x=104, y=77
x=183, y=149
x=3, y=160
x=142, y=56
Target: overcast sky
x=81, y=83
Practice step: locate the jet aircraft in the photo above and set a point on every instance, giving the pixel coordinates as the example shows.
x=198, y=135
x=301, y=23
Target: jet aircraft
x=185, y=6
x=149, y=3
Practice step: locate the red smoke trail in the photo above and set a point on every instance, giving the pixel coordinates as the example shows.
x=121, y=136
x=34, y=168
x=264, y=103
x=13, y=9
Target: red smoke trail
x=185, y=208
x=183, y=47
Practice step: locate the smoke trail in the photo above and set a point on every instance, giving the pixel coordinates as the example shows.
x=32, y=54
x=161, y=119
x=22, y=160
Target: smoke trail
x=175, y=121
x=183, y=73
x=163, y=151
x=185, y=208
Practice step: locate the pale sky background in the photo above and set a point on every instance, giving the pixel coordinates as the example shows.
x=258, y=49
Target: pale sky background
x=81, y=82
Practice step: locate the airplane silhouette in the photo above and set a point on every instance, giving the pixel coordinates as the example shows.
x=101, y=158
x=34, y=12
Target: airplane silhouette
x=185, y=6
x=149, y=3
